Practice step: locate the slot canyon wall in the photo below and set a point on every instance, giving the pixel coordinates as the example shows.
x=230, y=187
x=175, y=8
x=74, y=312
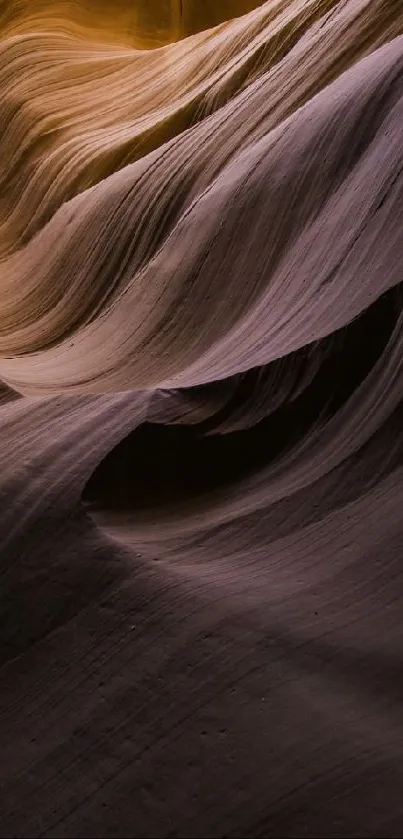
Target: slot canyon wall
x=201, y=418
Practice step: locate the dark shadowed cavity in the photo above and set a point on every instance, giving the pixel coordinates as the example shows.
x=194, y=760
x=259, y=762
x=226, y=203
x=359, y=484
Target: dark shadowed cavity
x=159, y=464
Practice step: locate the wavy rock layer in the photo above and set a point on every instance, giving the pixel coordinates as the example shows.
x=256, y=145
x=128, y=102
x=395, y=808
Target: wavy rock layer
x=201, y=414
